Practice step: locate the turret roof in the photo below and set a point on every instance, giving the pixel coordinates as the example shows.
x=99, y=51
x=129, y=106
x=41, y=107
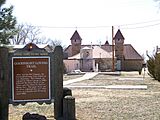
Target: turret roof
x=118, y=35
x=76, y=36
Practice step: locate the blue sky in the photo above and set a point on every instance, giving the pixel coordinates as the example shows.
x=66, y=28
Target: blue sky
x=139, y=20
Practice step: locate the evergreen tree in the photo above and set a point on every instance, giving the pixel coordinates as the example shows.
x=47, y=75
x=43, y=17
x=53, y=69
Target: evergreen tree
x=2, y=2
x=7, y=23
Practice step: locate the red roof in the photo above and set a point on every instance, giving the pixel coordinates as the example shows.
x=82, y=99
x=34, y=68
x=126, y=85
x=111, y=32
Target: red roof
x=97, y=52
x=129, y=52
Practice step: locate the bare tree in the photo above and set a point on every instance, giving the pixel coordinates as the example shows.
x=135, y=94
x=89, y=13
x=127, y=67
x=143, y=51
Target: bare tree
x=25, y=34
x=52, y=43
x=55, y=42
x=44, y=40
x=28, y=33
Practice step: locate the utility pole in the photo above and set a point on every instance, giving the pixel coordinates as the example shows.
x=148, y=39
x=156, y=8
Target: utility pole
x=113, y=64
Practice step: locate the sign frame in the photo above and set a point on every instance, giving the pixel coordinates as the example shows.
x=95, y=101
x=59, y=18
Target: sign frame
x=49, y=78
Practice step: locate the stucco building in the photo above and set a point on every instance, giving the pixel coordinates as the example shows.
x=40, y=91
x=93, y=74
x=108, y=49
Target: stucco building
x=99, y=57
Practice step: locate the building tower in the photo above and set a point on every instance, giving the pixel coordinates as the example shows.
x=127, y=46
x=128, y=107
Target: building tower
x=76, y=43
x=86, y=59
x=119, y=49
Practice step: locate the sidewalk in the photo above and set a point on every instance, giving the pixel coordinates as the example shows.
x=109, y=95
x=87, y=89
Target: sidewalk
x=90, y=75
x=123, y=87
x=87, y=76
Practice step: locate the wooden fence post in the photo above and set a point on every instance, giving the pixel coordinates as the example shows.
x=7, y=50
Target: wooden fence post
x=69, y=108
x=4, y=76
x=58, y=82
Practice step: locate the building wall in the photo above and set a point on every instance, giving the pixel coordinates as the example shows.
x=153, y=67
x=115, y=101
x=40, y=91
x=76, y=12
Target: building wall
x=76, y=49
x=131, y=65
x=86, y=65
x=68, y=51
x=87, y=60
x=86, y=53
x=71, y=65
x=119, y=51
x=104, y=64
x=119, y=48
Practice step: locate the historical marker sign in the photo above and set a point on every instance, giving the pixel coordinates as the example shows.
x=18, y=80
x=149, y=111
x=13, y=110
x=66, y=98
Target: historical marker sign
x=31, y=78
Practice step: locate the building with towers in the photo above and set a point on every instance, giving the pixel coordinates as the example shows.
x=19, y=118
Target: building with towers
x=99, y=57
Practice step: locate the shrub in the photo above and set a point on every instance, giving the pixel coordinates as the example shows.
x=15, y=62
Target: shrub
x=153, y=65
x=157, y=67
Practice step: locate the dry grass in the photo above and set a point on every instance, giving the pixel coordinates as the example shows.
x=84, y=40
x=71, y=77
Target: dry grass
x=106, y=104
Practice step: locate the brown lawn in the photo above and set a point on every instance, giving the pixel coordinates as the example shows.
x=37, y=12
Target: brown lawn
x=106, y=104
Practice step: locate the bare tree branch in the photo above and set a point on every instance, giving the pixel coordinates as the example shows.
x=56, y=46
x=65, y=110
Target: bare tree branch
x=28, y=33
x=25, y=34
